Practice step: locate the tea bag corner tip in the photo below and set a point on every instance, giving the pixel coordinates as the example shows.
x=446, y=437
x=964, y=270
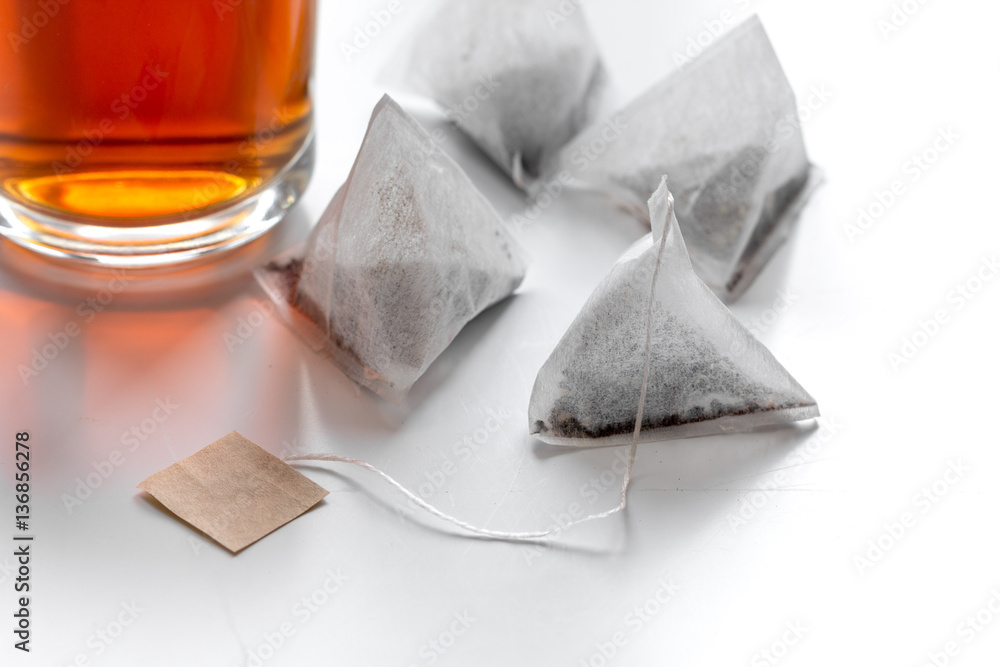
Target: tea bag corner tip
x=586, y=394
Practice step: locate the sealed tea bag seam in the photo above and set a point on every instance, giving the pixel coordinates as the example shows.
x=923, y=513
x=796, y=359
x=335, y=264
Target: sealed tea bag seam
x=328, y=234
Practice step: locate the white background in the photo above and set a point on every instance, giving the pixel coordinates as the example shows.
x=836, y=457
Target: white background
x=794, y=558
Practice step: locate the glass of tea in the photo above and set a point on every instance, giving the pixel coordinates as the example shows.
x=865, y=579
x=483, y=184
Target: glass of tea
x=147, y=132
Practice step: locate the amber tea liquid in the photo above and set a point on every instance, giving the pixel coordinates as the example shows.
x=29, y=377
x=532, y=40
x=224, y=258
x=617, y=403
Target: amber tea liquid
x=137, y=128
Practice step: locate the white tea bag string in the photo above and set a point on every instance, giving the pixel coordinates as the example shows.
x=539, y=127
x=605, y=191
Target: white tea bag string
x=417, y=500
x=499, y=534
x=421, y=503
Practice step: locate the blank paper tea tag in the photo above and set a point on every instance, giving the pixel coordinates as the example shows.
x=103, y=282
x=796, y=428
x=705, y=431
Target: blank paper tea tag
x=234, y=491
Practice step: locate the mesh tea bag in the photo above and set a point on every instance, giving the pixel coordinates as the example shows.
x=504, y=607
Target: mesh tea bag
x=725, y=130
x=654, y=343
x=520, y=77
x=407, y=253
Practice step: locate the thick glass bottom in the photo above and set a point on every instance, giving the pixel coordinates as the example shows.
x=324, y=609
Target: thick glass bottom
x=170, y=240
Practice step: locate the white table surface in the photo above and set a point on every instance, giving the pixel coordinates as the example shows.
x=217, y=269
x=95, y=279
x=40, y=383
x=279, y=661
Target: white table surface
x=812, y=501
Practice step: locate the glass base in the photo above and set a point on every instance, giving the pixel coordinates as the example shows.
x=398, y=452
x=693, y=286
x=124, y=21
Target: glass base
x=170, y=241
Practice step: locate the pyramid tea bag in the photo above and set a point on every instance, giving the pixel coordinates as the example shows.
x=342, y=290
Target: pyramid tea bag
x=519, y=77
x=653, y=335
x=407, y=253
x=725, y=130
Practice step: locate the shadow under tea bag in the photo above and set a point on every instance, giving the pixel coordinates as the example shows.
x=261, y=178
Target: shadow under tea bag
x=407, y=253
x=654, y=344
x=725, y=130
x=519, y=77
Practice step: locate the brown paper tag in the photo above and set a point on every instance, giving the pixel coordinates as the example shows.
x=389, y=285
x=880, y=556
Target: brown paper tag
x=234, y=491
